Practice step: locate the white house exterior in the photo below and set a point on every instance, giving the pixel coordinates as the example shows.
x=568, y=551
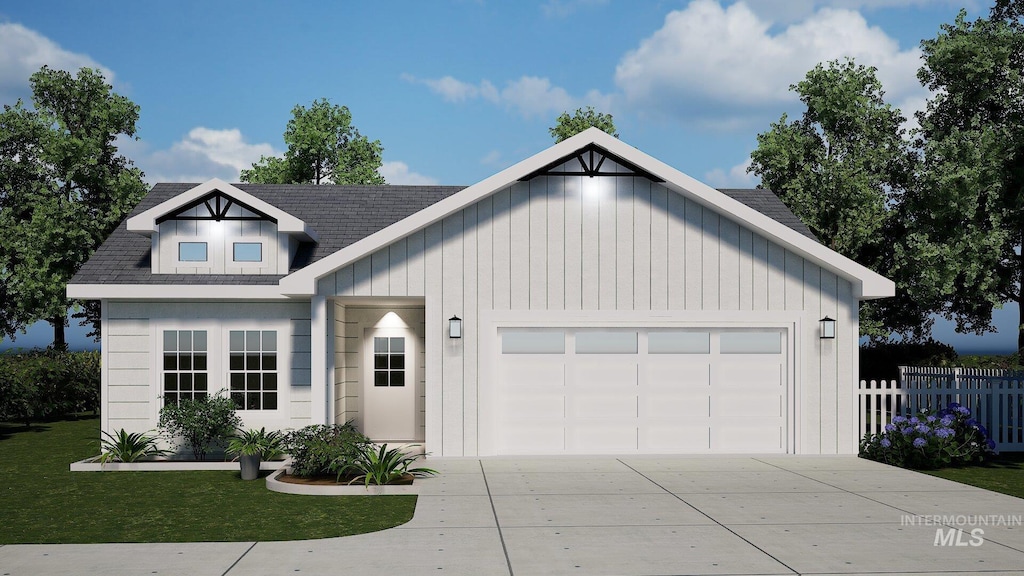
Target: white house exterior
x=608, y=304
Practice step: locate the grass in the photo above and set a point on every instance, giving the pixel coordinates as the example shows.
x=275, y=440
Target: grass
x=41, y=501
x=1003, y=474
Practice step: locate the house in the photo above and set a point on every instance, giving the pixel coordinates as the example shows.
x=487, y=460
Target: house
x=589, y=299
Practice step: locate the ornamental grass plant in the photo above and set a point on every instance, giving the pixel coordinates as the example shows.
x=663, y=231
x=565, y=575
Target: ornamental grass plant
x=949, y=437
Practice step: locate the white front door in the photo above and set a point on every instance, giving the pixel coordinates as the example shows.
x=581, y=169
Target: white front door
x=389, y=391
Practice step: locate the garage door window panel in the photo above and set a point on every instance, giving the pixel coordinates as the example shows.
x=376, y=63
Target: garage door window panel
x=593, y=342
x=673, y=342
x=532, y=342
x=751, y=342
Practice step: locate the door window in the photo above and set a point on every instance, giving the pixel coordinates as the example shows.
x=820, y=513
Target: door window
x=388, y=361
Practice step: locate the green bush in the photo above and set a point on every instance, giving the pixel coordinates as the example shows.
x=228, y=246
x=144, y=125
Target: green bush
x=951, y=437
x=321, y=450
x=383, y=466
x=48, y=384
x=200, y=422
x=881, y=361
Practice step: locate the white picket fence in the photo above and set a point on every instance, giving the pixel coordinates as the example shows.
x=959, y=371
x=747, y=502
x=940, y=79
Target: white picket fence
x=995, y=398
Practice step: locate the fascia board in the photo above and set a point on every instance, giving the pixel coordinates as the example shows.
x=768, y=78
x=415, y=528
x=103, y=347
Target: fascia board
x=867, y=284
x=174, y=292
x=145, y=223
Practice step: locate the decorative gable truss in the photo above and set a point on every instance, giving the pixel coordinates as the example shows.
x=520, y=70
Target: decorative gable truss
x=216, y=228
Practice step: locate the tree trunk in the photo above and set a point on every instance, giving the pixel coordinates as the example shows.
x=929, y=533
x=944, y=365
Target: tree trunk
x=59, y=343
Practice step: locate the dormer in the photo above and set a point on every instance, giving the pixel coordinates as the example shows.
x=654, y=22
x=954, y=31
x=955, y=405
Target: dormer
x=217, y=228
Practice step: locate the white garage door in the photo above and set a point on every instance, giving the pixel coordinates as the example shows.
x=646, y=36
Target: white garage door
x=609, y=391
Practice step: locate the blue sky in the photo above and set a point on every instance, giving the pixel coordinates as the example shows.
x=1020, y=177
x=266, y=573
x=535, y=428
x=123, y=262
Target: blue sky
x=456, y=90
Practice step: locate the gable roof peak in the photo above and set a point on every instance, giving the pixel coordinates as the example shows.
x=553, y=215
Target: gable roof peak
x=148, y=222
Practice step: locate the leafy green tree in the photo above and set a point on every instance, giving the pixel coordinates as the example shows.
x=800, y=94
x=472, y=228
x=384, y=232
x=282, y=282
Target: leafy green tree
x=967, y=219
x=568, y=126
x=323, y=147
x=63, y=189
x=840, y=168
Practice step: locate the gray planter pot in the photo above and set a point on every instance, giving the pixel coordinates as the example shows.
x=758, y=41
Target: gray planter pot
x=250, y=466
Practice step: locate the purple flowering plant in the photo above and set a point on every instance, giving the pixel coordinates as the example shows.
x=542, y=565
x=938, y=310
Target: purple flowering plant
x=949, y=437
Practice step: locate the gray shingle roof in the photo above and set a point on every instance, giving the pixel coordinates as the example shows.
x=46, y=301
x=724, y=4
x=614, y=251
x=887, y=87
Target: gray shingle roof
x=340, y=215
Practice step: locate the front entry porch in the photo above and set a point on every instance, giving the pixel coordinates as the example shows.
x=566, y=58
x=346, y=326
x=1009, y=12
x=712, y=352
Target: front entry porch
x=379, y=367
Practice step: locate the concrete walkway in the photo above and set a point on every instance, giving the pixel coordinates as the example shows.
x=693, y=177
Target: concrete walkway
x=621, y=516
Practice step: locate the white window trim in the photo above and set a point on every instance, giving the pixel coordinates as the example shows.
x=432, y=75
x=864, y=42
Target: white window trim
x=229, y=249
x=192, y=263
x=217, y=350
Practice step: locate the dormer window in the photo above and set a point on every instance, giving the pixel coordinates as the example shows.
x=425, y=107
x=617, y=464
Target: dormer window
x=192, y=252
x=247, y=252
x=217, y=228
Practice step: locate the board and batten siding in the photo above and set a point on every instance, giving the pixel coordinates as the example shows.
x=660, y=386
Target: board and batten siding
x=277, y=247
x=609, y=243
x=132, y=355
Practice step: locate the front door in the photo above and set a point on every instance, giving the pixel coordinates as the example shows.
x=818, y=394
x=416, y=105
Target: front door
x=389, y=390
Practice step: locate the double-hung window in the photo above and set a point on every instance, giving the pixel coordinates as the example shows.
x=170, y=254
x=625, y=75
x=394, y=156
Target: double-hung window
x=185, y=375
x=252, y=369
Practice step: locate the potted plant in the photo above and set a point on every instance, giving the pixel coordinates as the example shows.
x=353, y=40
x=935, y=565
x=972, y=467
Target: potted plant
x=252, y=447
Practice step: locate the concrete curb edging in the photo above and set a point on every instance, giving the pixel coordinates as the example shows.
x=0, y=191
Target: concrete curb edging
x=91, y=465
x=275, y=485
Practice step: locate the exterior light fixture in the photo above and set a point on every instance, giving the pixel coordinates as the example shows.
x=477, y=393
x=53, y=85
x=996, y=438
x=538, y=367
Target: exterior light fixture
x=455, y=327
x=828, y=328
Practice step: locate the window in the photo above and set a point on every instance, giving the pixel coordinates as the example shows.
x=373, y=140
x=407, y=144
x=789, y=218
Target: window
x=751, y=343
x=588, y=342
x=388, y=361
x=248, y=251
x=192, y=251
x=672, y=342
x=185, y=372
x=532, y=342
x=252, y=369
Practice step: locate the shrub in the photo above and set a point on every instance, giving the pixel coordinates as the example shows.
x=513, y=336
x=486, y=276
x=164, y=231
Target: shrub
x=252, y=442
x=322, y=450
x=200, y=422
x=125, y=447
x=48, y=384
x=881, y=361
x=951, y=437
x=382, y=466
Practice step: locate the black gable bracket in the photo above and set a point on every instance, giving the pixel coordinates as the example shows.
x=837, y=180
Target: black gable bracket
x=591, y=158
x=217, y=205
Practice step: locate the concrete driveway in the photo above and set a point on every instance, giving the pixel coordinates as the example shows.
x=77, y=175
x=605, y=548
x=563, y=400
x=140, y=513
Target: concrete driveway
x=624, y=516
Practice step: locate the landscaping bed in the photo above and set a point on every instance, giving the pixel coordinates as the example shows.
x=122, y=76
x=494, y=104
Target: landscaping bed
x=44, y=502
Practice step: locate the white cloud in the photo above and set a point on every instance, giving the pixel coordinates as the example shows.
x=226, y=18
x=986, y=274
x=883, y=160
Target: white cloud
x=395, y=172
x=24, y=51
x=202, y=154
x=714, y=65
x=530, y=96
x=735, y=177
x=564, y=8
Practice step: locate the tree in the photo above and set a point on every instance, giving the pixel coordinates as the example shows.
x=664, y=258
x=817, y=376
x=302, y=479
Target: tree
x=323, y=147
x=63, y=190
x=840, y=168
x=568, y=126
x=967, y=219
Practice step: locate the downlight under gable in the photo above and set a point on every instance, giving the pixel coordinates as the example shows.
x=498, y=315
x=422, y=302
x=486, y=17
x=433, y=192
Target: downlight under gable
x=593, y=153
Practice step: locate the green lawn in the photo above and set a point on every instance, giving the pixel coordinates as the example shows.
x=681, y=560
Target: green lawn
x=1003, y=474
x=41, y=501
